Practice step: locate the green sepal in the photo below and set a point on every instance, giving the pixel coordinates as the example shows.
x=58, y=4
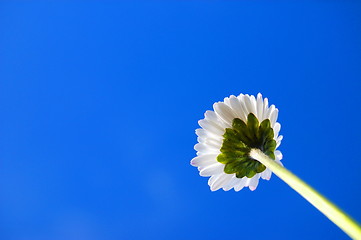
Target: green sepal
x=233, y=167
x=238, y=142
x=252, y=125
x=270, y=145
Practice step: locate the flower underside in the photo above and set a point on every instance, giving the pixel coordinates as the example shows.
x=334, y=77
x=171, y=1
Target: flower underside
x=238, y=142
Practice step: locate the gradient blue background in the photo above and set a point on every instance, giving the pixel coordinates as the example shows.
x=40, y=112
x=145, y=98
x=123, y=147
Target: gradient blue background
x=99, y=102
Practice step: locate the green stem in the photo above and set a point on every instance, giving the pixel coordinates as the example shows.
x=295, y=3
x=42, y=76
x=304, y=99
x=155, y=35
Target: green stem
x=336, y=215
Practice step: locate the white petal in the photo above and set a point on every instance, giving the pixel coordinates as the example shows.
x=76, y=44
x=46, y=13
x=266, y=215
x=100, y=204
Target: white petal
x=278, y=155
x=259, y=107
x=240, y=184
x=211, y=127
x=279, y=140
x=226, y=101
x=270, y=112
x=253, y=183
x=248, y=180
x=254, y=105
x=210, y=142
x=242, y=102
x=211, y=116
x=273, y=117
x=210, y=170
x=265, y=109
x=232, y=182
x=237, y=108
x=214, y=178
x=276, y=129
x=224, y=112
x=266, y=174
x=250, y=105
x=266, y=113
x=201, y=147
x=240, y=96
x=223, y=179
x=204, y=160
x=202, y=133
x=214, y=124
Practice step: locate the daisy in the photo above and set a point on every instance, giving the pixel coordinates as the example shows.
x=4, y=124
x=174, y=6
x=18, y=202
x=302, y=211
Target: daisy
x=237, y=145
x=227, y=136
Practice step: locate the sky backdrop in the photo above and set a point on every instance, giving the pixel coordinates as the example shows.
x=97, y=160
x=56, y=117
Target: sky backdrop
x=99, y=101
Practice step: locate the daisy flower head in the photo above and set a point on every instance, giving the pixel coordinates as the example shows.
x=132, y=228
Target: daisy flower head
x=228, y=134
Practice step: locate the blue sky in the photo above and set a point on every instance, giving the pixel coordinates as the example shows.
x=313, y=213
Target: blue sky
x=99, y=102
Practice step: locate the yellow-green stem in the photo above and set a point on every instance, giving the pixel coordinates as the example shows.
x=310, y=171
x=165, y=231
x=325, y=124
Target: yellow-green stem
x=336, y=215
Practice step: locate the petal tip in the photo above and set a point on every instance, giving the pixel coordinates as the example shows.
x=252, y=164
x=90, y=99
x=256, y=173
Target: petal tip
x=213, y=189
